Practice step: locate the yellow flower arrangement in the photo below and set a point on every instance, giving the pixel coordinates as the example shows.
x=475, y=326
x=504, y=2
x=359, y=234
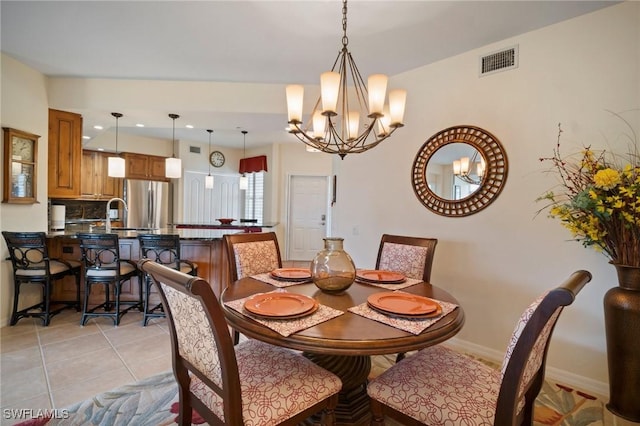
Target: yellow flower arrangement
x=599, y=201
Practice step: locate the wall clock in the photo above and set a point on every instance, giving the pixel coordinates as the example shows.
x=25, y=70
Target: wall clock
x=216, y=159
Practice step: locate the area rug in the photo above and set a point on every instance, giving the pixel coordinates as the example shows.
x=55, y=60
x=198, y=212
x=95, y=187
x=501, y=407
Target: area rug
x=154, y=402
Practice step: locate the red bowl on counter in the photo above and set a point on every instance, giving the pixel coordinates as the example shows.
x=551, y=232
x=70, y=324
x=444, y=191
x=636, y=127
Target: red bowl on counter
x=225, y=221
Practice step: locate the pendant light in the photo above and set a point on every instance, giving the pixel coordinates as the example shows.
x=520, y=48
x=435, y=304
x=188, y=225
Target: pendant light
x=208, y=181
x=173, y=165
x=115, y=164
x=244, y=180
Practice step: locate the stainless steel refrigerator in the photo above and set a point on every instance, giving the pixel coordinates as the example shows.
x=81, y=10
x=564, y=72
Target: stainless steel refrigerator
x=149, y=202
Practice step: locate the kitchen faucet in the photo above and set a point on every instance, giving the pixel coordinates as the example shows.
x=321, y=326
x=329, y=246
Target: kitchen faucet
x=107, y=226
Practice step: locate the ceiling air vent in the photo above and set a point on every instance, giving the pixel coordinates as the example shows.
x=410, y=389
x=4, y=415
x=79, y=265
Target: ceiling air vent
x=502, y=60
x=194, y=149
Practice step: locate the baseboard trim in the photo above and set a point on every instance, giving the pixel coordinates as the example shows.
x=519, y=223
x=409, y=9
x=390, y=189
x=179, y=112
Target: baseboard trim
x=590, y=386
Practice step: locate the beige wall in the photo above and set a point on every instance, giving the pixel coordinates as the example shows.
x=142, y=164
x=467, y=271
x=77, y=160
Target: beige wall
x=494, y=262
x=497, y=261
x=24, y=107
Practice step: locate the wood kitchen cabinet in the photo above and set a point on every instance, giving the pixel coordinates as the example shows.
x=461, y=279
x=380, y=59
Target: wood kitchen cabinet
x=65, y=154
x=96, y=183
x=142, y=166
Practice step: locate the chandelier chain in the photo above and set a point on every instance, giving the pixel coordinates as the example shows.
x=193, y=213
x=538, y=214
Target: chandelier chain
x=345, y=39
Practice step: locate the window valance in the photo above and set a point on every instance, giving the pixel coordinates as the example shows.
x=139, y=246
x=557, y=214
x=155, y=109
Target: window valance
x=253, y=164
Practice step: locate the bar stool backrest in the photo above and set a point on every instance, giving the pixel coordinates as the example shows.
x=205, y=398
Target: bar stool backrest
x=163, y=249
x=29, y=254
x=100, y=256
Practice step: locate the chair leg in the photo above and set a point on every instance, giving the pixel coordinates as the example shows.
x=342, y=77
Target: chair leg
x=399, y=357
x=78, y=304
x=377, y=413
x=185, y=411
x=145, y=309
x=16, y=296
x=116, y=289
x=85, y=307
x=46, y=298
x=329, y=413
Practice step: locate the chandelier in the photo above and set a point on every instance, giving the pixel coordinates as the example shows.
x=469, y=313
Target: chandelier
x=462, y=169
x=334, y=127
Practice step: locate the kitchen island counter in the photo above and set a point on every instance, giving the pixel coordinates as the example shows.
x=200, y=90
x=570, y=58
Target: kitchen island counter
x=185, y=234
x=235, y=225
x=201, y=246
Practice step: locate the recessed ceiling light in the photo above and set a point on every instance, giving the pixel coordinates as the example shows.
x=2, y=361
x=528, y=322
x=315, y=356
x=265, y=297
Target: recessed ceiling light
x=86, y=137
x=97, y=127
x=139, y=125
x=100, y=149
x=189, y=126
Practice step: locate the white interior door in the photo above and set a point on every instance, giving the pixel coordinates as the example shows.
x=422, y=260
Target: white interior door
x=308, y=216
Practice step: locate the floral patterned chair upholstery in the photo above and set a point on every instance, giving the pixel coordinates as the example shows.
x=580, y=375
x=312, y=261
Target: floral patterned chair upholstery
x=253, y=383
x=251, y=254
x=412, y=256
x=438, y=386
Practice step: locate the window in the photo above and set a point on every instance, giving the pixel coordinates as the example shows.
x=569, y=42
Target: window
x=254, y=196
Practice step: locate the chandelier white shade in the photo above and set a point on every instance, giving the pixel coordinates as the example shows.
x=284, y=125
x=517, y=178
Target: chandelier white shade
x=462, y=169
x=116, y=165
x=173, y=165
x=349, y=117
x=208, y=180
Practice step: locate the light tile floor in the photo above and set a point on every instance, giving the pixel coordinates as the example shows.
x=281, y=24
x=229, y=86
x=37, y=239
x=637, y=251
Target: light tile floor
x=55, y=366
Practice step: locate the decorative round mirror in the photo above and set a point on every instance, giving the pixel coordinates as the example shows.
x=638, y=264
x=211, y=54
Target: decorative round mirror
x=459, y=171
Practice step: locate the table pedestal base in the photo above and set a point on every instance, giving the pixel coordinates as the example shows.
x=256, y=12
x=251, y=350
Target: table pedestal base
x=353, y=401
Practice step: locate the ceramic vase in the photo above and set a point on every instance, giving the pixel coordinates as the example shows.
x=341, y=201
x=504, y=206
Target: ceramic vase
x=333, y=270
x=622, y=326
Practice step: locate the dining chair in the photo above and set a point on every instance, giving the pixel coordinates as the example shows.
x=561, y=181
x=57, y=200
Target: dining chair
x=32, y=265
x=163, y=249
x=250, y=254
x=412, y=256
x=439, y=386
x=102, y=265
x=250, y=383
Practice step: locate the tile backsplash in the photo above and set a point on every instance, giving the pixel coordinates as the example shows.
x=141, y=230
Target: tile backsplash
x=79, y=209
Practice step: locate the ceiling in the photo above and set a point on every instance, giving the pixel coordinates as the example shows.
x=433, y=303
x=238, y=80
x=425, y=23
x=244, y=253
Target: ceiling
x=250, y=42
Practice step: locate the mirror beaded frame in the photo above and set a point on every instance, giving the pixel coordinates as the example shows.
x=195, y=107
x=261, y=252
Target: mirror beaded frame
x=493, y=180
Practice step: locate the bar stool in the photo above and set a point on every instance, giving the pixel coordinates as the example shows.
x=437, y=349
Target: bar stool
x=165, y=250
x=32, y=264
x=102, y=265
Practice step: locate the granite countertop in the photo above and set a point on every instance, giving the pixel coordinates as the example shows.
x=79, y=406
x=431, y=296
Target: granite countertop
x=235, y=225
x=185, y=234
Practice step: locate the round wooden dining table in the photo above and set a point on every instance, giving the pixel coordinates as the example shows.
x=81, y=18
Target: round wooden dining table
x=344, y=344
